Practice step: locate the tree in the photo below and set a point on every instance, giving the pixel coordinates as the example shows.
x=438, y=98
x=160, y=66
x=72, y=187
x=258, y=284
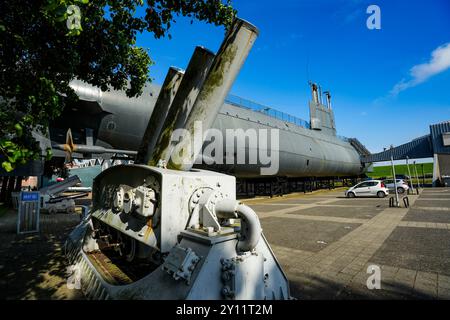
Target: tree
x=46, y=43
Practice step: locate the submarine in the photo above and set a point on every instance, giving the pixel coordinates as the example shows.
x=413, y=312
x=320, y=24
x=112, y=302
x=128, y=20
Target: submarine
x=307, y=149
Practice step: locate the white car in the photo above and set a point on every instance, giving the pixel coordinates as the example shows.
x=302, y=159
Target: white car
x=372, y=188
x=402, y=186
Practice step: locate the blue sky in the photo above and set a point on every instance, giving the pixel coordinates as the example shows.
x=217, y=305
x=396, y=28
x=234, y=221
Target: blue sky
x=328, y=42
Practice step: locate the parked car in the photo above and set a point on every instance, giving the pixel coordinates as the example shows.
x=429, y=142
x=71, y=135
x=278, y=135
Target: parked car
x=402, y=185
x=402, y=177
x=373, y=188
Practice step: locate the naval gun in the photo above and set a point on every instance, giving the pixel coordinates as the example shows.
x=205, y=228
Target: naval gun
x=159, y=229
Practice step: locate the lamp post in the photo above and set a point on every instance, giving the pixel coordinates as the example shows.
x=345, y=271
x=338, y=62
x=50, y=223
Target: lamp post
x=409, y=173
x=417, y=176
x=397, y=203
x=423, y=176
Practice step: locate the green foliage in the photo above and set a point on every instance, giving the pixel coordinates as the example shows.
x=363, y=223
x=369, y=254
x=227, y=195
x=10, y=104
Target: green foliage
x=44, y=44
x=386, y=171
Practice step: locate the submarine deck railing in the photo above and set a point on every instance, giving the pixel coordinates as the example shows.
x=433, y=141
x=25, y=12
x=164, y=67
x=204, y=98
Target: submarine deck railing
x=247, y=104
x=251, y=105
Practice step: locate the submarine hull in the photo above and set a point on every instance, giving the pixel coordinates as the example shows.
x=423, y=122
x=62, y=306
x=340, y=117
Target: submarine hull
x=120, y=123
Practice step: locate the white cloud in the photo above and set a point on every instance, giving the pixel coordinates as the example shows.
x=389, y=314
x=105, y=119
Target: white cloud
x=439, y=62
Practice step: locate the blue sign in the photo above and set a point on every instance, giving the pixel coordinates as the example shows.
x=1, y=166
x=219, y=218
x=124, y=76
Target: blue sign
x=30, y=196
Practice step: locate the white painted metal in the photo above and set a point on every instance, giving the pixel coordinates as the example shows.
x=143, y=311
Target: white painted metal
x=181, y=107
x=160, y=111
x=226, y=66
x=409, y=173
x=397, y=203
x=195, y=251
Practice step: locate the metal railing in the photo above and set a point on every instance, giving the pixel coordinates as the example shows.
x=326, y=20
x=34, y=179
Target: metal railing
x=247, y=104
x=250, y=105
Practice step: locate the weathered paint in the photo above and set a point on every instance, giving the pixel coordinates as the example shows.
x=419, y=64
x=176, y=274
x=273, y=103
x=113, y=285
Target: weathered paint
x=161, y=110
x=225, y=68
x=180, y=109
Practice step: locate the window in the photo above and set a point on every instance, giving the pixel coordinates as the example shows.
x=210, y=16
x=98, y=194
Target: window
x=373, y=184
x=362, y=185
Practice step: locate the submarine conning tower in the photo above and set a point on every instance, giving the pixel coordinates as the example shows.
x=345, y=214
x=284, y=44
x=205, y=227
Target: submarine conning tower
x=162, y=230
x=321, y=115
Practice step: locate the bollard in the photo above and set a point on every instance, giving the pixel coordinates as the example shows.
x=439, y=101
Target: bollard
x=406, y=202
x=391, y=202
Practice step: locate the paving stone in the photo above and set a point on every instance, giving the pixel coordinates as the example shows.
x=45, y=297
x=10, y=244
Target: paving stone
x=416, y=248
x=350, y=271
x=337, y=270
x=444, y=293
x=344, y=212
x=301, y=201
x=432, y=203
x=443, y=281
x=426, y=276
x=405, y=274
x=302, y=234
x=268, y=208
x=370, y=202
x=429, y=216
x=426, y=290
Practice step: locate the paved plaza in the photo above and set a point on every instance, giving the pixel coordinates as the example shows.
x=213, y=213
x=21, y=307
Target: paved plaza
x=325, y=243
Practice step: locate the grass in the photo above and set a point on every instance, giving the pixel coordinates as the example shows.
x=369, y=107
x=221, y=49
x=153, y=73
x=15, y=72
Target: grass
x=386, y=171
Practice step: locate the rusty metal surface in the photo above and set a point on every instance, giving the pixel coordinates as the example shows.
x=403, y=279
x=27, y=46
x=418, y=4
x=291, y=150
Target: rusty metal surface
x=180, y=222
x=109, y=271
x=160, y=111
x=187, y=93
x=226, y=66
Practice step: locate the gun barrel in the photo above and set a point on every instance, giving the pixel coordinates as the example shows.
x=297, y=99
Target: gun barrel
x=225, y=67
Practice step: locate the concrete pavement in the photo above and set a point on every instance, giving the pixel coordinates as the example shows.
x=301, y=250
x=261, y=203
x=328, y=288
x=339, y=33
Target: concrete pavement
x=326, y=243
